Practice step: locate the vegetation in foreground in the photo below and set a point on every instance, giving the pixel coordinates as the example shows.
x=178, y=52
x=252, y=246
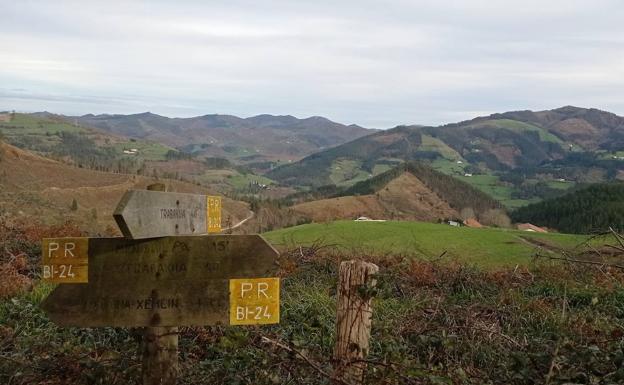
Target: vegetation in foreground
x=485, y=248
x=434, y=323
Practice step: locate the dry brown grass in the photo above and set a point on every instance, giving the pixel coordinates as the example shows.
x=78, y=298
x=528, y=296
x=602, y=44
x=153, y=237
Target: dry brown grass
x=40, y=189
x=404, y=198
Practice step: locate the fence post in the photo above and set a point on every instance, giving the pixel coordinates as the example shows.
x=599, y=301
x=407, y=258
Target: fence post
x=160, y=346
x=356, y=281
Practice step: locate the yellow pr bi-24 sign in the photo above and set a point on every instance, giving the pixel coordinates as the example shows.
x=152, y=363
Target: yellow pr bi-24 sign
x=65, y=260
x=254, y=301
x=213, y=215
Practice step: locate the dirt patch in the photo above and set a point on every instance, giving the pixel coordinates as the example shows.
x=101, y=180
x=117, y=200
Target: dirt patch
x=540, y=244
x=505, y=154
x=578, y=130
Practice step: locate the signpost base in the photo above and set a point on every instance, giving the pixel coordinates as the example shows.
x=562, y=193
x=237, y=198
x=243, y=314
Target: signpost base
x=160, y=355
x=160, y=346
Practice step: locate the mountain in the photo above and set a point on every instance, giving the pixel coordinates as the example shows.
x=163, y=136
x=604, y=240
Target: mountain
x=56, y=137
x=590, y=128
x=516, y=157
x=36, y=188
x=262, y=138
x=589, y=210
x=411, y=191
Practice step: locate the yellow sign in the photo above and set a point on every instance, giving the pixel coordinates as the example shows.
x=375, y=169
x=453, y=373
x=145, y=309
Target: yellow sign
x=254, y=301
x=213, y=215
x=65, y=260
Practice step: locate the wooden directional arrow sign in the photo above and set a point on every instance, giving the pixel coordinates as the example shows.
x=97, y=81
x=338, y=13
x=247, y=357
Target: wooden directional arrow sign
x=171, y=281
x=148, y=214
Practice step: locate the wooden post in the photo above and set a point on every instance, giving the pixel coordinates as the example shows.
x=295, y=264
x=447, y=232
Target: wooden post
x=160, y=346
x=356, y=282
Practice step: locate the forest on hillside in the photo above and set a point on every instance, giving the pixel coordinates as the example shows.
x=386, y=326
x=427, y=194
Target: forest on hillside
x=458, y=194
x=589, y=210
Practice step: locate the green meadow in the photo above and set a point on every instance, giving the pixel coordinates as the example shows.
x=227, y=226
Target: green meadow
x=487, y=247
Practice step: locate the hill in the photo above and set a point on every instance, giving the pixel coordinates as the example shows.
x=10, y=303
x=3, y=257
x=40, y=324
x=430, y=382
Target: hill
x=411, y=191
x=70, y=142
x=488, y=248
x=35, y=188
x=589, y=210
x=515, y=157
x=54, y=136
x=254, y=140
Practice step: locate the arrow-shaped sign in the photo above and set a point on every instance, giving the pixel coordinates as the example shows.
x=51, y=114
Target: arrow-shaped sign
x=171, y=281
x=148, y=214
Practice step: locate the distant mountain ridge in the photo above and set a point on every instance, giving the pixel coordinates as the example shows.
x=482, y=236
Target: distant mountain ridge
x=254, y=139
x=519, y=152
x=590, y=127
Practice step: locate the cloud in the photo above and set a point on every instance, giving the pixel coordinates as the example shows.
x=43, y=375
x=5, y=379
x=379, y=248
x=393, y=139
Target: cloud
x=368, y=62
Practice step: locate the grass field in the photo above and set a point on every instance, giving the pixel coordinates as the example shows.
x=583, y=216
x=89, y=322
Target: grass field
x=23, y=124
x=560, y=185
x=430, y=143
x=491, y=185
x=518, y=126
x=37, y=133
x=146, y=150
x=482, y=247
x=241, y=181
x=346, y=172
x=381, y=168
x=448, y=167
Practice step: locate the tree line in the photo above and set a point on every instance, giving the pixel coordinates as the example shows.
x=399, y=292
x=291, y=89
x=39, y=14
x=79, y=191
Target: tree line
x=589, y=210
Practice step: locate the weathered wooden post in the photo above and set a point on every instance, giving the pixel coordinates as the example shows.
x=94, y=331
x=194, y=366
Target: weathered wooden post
x=160, y=345
x=356, y=282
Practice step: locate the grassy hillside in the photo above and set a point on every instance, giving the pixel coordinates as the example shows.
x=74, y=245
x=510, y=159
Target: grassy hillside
x=62, y=139
x=54, y=136
x=592, y=209
x=482, y=247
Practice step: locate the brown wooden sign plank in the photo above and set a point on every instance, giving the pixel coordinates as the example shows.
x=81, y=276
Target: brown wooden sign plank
x=167, y=281
x=148, y=214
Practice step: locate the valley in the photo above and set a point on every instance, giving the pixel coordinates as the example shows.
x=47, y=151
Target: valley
x=450, y=214
x=513, y=158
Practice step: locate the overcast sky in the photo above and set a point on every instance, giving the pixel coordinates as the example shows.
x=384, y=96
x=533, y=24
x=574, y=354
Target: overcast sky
x=373, y=63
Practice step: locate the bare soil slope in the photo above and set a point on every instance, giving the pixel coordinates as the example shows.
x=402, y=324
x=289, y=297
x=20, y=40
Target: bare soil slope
x=35, y=187
x=404, y=198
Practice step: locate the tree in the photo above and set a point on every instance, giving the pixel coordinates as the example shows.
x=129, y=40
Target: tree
x=496, y=217
x=74, y=205
x=467, y=213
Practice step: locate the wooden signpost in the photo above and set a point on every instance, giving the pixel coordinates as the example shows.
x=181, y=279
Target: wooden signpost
x=162, y=275
x=169, y=281
x=147, y=214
